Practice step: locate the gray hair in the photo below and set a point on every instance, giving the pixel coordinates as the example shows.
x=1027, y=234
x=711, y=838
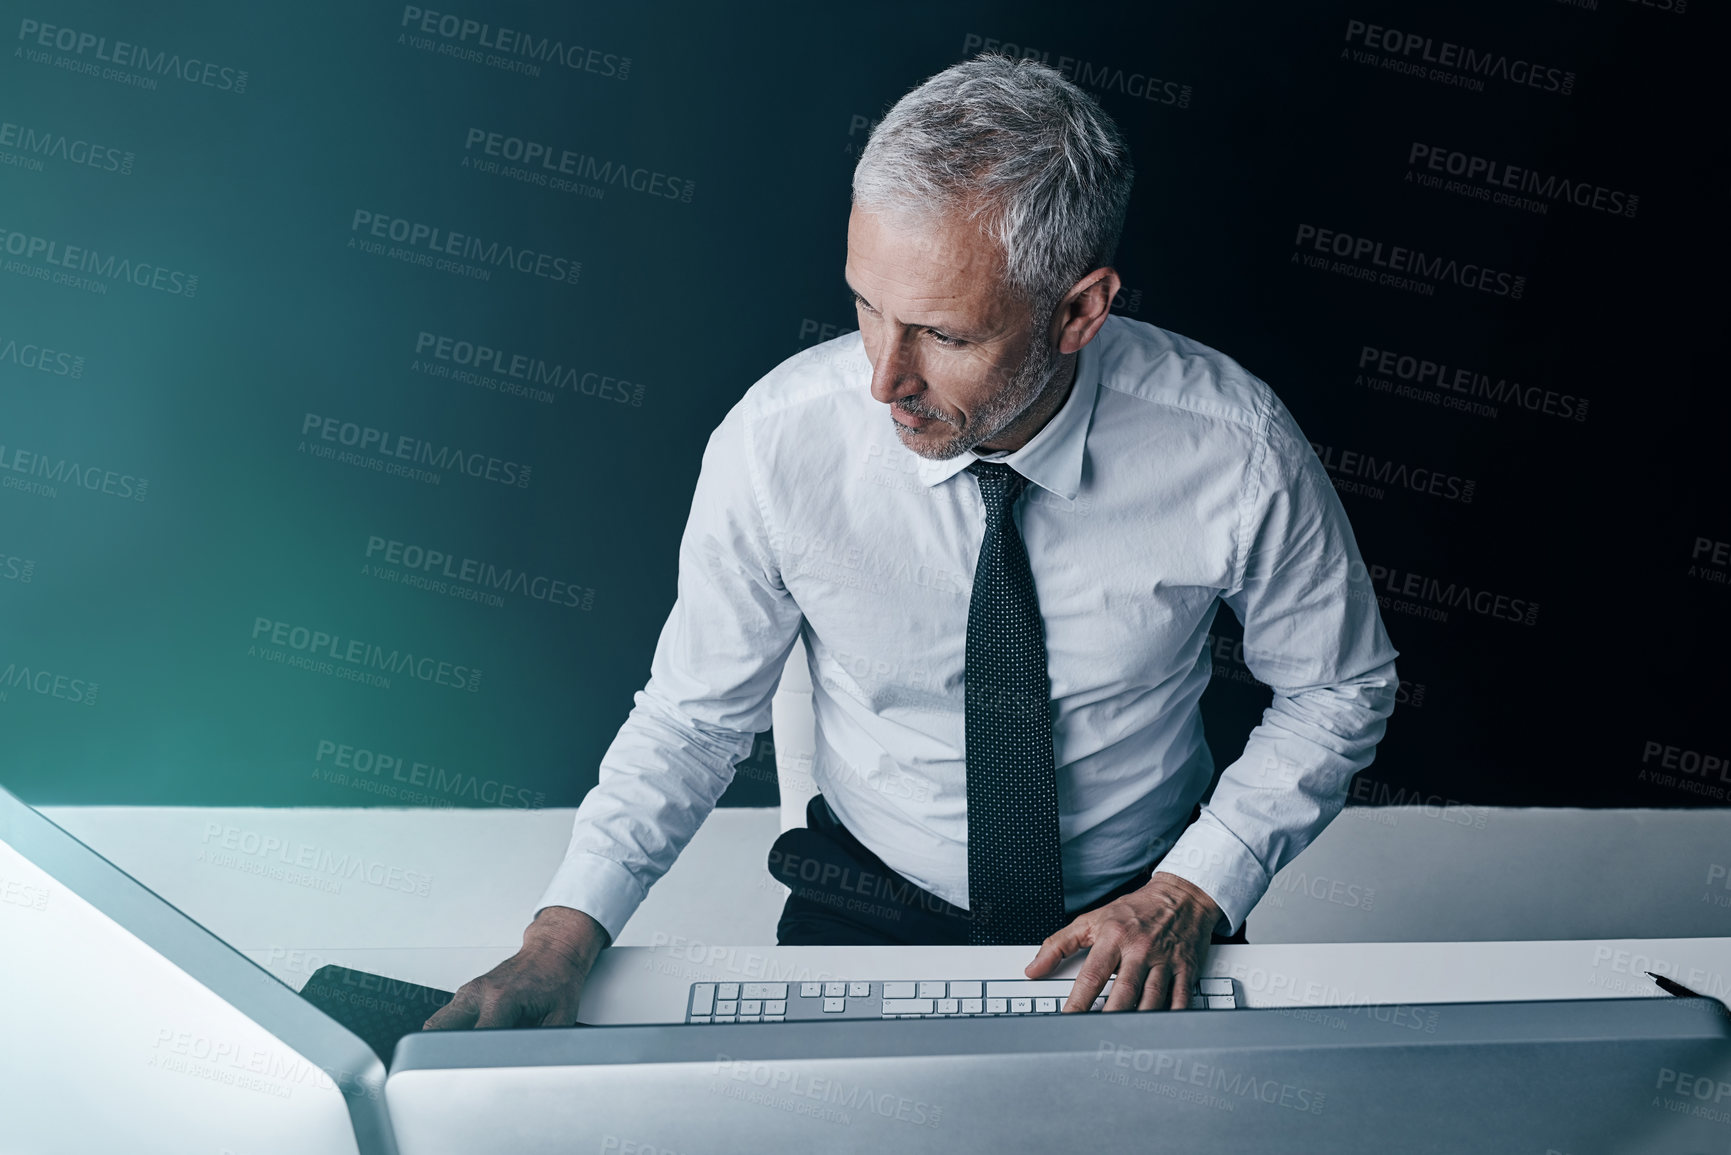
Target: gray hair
x=1011, y=143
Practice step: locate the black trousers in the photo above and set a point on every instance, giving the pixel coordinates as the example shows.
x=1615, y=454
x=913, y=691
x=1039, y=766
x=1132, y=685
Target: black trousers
x=844, y=895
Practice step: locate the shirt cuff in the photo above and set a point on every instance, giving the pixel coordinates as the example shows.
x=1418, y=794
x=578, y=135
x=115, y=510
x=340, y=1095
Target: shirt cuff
x=597, y=886
x=1209, y=857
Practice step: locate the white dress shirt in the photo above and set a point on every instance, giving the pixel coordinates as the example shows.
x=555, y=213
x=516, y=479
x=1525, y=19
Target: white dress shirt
x=1171, y=479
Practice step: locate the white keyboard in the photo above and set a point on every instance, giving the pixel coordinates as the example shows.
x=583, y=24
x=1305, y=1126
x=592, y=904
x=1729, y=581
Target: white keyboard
x=922, y=999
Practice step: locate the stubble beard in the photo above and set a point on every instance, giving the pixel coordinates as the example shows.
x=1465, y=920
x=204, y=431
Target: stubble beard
x=1020, y=391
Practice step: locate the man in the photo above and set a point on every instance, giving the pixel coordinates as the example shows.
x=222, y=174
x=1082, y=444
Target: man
x=1033, y=666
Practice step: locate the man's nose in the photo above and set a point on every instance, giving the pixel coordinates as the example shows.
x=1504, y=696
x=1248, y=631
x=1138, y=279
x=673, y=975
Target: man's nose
x=893, y=371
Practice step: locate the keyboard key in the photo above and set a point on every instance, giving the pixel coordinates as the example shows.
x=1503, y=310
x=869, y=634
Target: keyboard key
x=699, y=1018
x=973, y=1006
x=750, y=1018
x=931, y=990
x=907, y=1006
x=810, y=990
x=1214, y=986
x=1045, y=1006
x=750, y=1006
x=900, y=990
x=1021, y=1006
x=1222, y=1003
x=948, y=1007
x=997, y=1006
x=1030, y=988
x=727, y=991
x=703, y=998
x=969, y=990
x=764, y=991
x=774, y=1007
x=834, y=1006
x=834, y=990
x=859, y=990
x=1099, y=1004
x=727, y=1007
x=724, y=1018
x=774, y=1018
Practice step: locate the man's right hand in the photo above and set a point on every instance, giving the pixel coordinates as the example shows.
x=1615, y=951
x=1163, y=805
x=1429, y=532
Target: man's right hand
x=536, y=987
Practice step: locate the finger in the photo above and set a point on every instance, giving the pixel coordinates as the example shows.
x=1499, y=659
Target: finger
x=1092, y=978
x=1157, y=990
x=563, y=1014
x=1181, y=984
x=456, y=1015
x=499, y=1008
x=1127, y=990
x=1059, y=946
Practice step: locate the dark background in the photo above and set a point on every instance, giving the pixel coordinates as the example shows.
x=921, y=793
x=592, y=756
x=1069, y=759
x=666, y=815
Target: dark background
x=129, y=667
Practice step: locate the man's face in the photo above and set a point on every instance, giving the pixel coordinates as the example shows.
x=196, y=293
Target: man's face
x=954, y=354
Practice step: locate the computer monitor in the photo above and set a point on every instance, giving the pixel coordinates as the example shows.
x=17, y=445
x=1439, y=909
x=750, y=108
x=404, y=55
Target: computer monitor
x=1575, y=1077
x=126, y=1026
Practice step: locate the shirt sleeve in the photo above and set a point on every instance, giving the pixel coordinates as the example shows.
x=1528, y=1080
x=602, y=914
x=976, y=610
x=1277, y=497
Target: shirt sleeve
x=1312, y=632
x=715, y=670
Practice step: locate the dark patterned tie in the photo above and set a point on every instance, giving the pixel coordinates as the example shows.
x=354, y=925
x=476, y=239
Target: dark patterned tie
x=1015, y=878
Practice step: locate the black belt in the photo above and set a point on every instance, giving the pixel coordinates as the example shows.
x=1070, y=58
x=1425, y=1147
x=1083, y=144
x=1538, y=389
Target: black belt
x=835, y=879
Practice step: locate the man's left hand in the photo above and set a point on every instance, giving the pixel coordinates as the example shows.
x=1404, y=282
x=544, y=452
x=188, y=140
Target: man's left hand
x=1154, y=939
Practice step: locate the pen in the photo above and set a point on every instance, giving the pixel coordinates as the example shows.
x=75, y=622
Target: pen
x=1674, y=988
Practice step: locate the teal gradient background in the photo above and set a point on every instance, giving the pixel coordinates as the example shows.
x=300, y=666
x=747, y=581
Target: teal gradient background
x=154, y=601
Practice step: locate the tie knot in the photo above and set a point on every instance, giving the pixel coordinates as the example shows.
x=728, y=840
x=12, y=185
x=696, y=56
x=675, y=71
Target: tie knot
x=999, y=484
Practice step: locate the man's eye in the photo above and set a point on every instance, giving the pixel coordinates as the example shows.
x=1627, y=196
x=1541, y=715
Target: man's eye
x=944, y=340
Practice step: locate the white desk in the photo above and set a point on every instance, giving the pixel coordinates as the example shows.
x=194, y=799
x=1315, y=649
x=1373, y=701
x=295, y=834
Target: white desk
x=1384, y=874
x=488, y=867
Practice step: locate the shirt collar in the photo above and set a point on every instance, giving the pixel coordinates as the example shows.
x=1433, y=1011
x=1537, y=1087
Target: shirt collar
x=1052, y=458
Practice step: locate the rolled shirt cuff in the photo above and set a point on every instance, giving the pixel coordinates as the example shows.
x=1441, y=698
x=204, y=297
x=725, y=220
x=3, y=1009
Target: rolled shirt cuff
x=1209, y=857
x=599, y=887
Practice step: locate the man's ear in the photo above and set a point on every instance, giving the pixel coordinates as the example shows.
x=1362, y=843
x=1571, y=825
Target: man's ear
x=1084, y=309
